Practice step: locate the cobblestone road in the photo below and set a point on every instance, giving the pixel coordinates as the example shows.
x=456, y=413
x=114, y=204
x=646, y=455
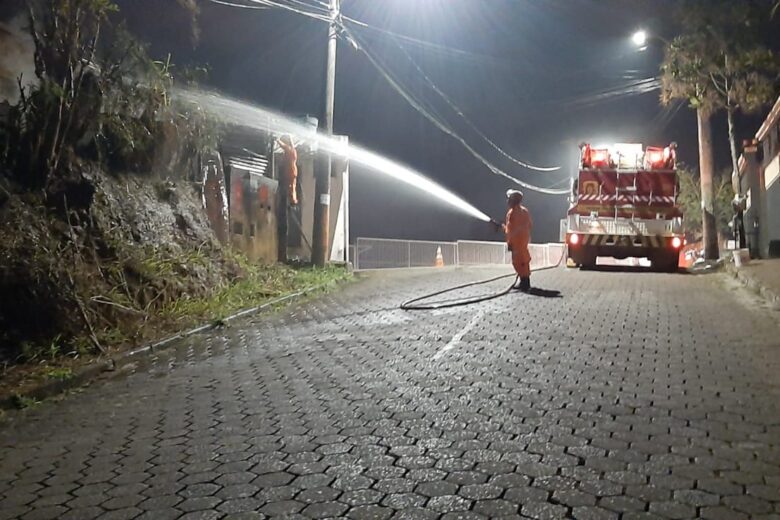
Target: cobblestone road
x=634, y=396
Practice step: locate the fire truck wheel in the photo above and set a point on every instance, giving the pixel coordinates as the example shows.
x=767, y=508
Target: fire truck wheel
x=666, y=262
x=673, y=265
x=588, y=260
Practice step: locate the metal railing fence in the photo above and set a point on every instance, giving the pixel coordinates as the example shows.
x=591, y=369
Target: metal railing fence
x=383, y=253
x=483, y=253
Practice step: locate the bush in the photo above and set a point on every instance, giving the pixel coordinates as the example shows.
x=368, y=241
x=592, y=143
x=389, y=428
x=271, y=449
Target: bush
x=690, y=202
x=97, y=101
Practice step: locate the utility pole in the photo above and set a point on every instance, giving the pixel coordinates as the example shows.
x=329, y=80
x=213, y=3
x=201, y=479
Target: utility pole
x=321, y=238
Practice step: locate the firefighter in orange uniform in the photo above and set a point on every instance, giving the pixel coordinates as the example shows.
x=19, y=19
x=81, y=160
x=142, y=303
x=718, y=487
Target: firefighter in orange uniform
x=517, y=228
x=290, y=167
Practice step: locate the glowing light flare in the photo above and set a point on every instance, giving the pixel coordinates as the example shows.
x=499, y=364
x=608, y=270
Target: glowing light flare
x=629, y=155
x=654, y=158
x=676, y=242
x=574, y=239
x=599, y=158
x=639, y=38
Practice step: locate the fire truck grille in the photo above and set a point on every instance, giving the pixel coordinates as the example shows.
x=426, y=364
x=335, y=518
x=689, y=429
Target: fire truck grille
x=616, y=227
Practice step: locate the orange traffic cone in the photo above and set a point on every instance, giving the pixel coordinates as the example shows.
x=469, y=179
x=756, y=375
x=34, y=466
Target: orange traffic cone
x=439, y=258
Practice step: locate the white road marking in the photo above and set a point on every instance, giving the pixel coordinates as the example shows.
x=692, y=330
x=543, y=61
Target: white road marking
x=459, y=336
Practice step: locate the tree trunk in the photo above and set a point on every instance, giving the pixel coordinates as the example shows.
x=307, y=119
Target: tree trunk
x=706, y=169
x=733, y=148
x=739, y=225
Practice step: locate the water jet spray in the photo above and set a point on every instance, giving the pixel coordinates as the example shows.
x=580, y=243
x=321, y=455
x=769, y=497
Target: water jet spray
x=238, y=112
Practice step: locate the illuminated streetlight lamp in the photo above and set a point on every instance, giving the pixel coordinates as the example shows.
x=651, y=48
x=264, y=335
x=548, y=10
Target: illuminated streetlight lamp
x=642, y=38
x=639, y=38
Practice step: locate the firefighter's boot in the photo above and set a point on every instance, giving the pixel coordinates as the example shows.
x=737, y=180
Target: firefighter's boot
x=525, y=284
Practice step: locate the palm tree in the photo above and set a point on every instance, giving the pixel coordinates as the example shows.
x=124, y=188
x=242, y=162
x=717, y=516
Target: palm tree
x=682, y=78
x=719, y=63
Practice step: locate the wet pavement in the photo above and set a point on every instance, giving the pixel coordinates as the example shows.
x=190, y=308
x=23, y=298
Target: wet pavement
x=632, y=396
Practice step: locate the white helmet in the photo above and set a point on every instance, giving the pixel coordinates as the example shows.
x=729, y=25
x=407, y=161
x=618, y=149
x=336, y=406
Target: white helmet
x=514, y=194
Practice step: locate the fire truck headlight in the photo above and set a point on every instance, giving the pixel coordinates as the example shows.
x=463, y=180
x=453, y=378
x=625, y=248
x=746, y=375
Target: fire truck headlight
x=676, y=242
x=574, y=239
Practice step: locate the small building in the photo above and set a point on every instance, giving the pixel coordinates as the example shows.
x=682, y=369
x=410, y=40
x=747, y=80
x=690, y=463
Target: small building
x=247, y=203
x=759, y=184
x=239, y=183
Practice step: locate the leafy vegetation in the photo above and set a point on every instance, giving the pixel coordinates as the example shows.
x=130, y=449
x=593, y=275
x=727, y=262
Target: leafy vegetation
x=98, y=97
x=690, y=202
x=719, y=62
x=59, y=373
x=104, y=243
x=21, y=402
x=722, y=61
x=259, y=285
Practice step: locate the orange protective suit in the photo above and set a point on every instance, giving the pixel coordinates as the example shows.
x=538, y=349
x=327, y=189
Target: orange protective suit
x=290, y=170
x=518, y=235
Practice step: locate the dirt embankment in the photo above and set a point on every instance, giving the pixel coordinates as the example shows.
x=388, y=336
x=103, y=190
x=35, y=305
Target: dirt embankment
x=99, y=263
x=97, y=252
x=87, y=263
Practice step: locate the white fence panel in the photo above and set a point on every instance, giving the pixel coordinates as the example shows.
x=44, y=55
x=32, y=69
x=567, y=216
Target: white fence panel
x=555, y=254
x=381, y=253
x=423, y=254
x=539, y=256
x=482, y=253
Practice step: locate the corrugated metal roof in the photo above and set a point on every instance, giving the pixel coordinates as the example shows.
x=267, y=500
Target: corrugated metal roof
x=770, y=120
x=247, y=149
x=250, y=148
x=257, y=165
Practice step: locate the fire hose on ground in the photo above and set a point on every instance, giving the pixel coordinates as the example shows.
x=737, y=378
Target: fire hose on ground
x=414, y=305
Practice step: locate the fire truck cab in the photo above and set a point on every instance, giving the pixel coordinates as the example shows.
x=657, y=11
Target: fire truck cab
x=623, y=204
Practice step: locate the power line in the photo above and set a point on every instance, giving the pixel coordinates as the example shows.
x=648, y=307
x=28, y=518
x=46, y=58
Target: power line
x=638, y=87
x=445, y=49
x=446, y=129
x=415, y=103
x=316, y=16
x=231, y=4
x=665, y=116
x=322, y=7
x=270, y=3
x=562, y=182
x=471, y=125
x=321, y=13
x=634, y=88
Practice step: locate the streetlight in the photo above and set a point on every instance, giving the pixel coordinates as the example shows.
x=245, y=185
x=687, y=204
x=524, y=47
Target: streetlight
x=639, y=38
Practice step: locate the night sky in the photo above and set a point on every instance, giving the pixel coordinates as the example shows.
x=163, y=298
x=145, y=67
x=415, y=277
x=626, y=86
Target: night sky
x=527, y=72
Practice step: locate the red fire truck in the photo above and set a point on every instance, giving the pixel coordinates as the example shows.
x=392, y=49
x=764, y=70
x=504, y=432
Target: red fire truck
x=624, y=204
